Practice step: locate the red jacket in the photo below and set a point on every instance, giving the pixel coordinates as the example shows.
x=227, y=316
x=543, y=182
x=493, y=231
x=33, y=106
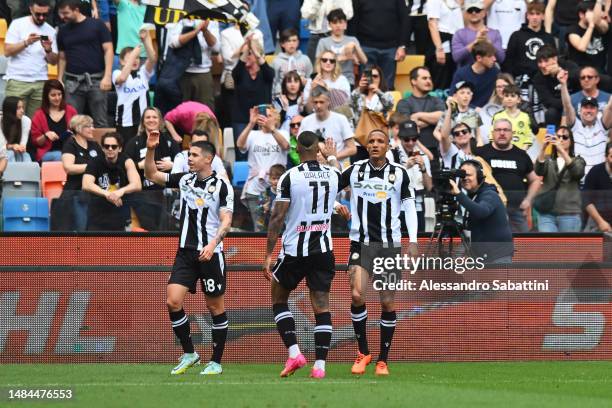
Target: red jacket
x=40, y=127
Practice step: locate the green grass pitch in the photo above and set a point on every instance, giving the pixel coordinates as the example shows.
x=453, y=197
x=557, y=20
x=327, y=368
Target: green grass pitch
x=491, y=384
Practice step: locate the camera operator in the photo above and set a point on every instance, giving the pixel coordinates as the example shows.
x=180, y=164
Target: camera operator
x=486, y=218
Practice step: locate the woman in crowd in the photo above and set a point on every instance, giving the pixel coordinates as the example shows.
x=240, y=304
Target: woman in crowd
x=51, y=122
x=78, y=150
x=265, y=147
x=565, y=214
x=149, y=204
x=14, y=130
x=109, y=178
x=494, y=105
x=329, y=75
x=290, y=102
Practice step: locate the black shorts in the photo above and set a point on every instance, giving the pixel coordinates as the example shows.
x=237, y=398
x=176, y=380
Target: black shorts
x=187, y=270
x=372, y=258
x=318, y=269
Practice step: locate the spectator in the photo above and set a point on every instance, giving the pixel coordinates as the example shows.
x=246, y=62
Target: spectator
x=290, y=59
x=461, y=112
x=109, y=179
x=444, y=18
x=417, y=163
x=525, y=43
x=329, y=125
x=149, y=204
x=78, y=150
x=590, y=131
x=132, y=86
x=383, y=31
x=482, y=72
x=346, y=47
x=204, y=122
x=265, y=147
x=317, y=13
x=598, y=194
x=294, y=128
x=180, y=120
x=275, y=173
x=419, y=26
x=522, y=125
x=14, y=130
x=425, y=110
x=474, y=32
x=559, y=16
x=330, y=77
x=506, y=16
x=371, y=94
x=3, y=164
x=231, y=42
x=546, y=84
x=283, y=15
x=586, y=40
x=130, y=16
x=86, y=61
x=196, y=83
x=589, y=87
x=89, y=8
x=565, y=216
x=513, y=169
x=290, y=102
x=495, y=104
x=104, y=13
x=395, y=119
x=253, y=81
x=30, y=46
x=180, y=164
x=51, y=123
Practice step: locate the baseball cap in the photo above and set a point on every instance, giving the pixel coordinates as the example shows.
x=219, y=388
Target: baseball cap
x=463, y=84
x=589, y=100
x=479, y=4
x=408, y=129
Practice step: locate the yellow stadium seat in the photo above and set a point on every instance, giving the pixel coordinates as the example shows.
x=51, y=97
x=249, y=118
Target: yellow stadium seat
x=270, y=59
x=397, y=95
x=3, y=28
x=402, y=73
x=52, y=71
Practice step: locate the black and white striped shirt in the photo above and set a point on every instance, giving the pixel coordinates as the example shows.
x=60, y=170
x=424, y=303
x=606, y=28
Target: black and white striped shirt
x=132, y=96
x=201, y=204
x=416, y=7
x=378, y=197
x=311, y=190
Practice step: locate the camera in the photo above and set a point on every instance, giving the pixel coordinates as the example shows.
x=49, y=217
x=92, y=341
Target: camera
x=446, y=204
x=44, y=38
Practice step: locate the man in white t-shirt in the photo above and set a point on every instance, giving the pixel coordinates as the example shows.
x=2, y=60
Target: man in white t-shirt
x=328, y=124
x=506, y=16
x=265, y=147
x=30, y=46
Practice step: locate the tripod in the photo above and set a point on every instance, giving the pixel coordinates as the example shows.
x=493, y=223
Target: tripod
x=447, y=228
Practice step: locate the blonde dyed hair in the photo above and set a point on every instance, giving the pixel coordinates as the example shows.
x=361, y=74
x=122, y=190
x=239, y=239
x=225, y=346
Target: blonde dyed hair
x=78, y=122
x=336, y=72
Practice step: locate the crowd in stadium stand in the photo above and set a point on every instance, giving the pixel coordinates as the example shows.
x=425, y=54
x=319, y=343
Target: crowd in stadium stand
x=522, y=86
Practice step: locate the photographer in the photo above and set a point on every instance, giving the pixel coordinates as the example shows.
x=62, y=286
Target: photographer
x=491, y=236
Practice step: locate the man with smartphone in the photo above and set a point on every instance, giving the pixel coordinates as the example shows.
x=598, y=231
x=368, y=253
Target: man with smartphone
x=30, y=46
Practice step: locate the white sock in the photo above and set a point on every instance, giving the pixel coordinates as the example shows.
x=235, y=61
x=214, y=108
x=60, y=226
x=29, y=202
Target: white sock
x=319, y=365
x=294, y=351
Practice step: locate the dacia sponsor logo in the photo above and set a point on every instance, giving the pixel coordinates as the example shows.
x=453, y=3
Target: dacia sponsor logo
x=374, y=186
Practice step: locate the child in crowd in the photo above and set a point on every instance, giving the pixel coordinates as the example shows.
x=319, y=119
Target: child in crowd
x=461, y=112
x=290, y=102
x=347, y=48
x=275, y=173
x=522, y=132
x=291, y=59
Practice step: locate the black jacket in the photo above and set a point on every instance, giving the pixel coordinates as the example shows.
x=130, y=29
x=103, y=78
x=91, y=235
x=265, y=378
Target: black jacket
x=549, y=88
x=488, y=222
x=522, y=48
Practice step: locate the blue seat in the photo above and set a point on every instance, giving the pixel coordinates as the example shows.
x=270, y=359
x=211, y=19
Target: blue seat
x=25, y=214
x=240, y=173
x=21, y=180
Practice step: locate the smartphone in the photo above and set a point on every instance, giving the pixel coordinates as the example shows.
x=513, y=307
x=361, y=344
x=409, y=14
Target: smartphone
x=551, y=130
x=44, y=38
x=368, y=75
x=262, y=110
x=414, y=153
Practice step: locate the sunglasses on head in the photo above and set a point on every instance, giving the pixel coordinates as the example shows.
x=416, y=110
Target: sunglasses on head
x=460, y=132
x=328, y=60
x=110, y=146
x=295, y=125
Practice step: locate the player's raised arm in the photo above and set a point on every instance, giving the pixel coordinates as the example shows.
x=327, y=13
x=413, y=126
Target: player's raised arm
x=151, y=172
x=274, y=229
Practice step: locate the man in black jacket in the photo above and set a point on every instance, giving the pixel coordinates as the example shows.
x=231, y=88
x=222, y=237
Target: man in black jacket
x=383, y=30
x=491, y=237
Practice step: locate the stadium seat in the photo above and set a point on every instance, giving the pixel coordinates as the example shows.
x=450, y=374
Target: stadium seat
x=21, y=180
x=3, y=28
x=270, y=59
x=229, y=149
x=52, y=71
x=53, y=178
x=397, y=95
x=402, y=73
x=240, y=173
x=25, y=214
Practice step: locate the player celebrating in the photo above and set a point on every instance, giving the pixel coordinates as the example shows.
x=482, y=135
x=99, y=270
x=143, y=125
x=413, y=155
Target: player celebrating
x=380, y=193
x=305, y=199
x=207, y=203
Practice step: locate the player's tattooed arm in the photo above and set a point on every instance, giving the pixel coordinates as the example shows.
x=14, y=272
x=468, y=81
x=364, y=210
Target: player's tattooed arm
x=224, y=228
x=276, y=224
